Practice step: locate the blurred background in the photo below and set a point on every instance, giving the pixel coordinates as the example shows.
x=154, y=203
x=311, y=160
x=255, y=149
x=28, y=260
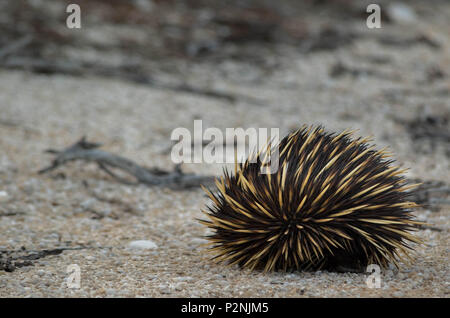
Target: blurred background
x=136, y=70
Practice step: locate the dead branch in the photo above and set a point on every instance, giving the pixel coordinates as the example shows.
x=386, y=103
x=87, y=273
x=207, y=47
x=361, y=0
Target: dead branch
x=126, y=72
x=10, y=260
x=429, y=227
x=11, y=213
x=408, y=42
x=89, y=152
x=431, y=194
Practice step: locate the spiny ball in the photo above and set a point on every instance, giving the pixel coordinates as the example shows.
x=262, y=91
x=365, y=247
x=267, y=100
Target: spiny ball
x=334, y=203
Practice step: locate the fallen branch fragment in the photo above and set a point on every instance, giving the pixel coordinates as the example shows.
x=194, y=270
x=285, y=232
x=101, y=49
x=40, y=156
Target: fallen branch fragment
x=340, y=69
x=431, y=194
x=135, y=75
x=11, y=260
x=431, y=228
x=87, y=151
x=10, y=213
x=408, y=42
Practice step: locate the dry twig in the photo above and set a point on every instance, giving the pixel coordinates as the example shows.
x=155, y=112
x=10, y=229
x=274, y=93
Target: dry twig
x=88, y=151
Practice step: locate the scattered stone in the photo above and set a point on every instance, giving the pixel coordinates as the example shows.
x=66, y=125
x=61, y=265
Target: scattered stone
x=4, y=196
x=143, y=244
x=401, y=13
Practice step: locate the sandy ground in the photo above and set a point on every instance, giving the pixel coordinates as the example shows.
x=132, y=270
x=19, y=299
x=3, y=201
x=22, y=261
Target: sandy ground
x=40, y=112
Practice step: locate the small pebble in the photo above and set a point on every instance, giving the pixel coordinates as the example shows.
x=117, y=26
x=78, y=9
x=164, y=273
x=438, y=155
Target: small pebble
x=401, y=13
x=4, y=196
x=143, y=244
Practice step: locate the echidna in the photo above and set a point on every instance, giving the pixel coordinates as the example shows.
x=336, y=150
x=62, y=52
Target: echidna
x=335, y=203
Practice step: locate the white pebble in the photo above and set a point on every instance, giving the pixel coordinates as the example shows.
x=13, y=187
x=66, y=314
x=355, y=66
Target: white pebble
x=402, y=13
x=4, y=196
x=143, y=244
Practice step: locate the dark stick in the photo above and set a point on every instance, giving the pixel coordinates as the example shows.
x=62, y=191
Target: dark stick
x=87, y=151
x=75, y=68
